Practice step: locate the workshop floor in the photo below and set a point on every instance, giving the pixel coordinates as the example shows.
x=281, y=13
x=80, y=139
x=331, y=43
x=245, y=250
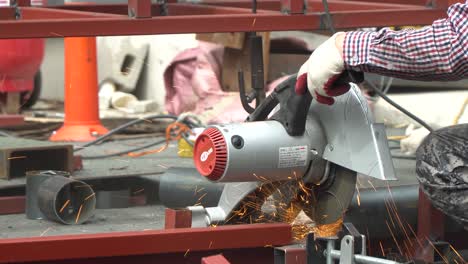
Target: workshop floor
x=113, y=170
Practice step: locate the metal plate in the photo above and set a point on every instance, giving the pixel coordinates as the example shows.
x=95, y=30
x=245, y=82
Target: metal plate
x=354, y=140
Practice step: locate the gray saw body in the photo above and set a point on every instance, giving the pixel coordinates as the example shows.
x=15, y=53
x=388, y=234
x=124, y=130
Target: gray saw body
x=338, y=141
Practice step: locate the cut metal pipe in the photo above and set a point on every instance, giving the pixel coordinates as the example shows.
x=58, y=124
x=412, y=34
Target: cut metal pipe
x=66, y=201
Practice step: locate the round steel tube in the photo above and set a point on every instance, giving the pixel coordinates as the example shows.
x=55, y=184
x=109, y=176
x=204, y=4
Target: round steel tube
x=34, y=179
x=66, y=201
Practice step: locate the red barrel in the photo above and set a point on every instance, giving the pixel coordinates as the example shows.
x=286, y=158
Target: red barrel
x=20, y=60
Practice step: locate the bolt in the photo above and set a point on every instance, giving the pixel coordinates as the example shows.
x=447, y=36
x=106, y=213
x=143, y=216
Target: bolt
x=330, y=147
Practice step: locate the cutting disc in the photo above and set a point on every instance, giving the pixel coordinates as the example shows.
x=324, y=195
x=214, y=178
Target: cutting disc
x=329, y=201
x=283, y=201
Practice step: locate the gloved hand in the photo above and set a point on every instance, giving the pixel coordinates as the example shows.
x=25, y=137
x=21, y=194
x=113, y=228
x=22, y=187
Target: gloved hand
x=321, y=70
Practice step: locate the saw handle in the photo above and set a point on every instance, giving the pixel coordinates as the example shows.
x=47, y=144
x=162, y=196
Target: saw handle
x=293, y=107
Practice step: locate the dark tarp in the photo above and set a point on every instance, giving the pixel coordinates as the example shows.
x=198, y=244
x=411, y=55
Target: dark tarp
x=442, y=169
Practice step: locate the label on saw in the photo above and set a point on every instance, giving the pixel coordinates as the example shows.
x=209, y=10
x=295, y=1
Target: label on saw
x=292, y=157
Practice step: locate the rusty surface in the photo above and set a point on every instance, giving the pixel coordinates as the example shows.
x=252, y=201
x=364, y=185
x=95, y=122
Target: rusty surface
x=167, y=241
x=12, y=205
x=181, y=218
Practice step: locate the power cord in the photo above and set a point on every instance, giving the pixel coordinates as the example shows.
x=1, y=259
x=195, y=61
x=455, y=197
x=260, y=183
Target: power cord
x=4, y=134
x=190, y=120
x=376, y=90
x=122, y=127
x=125, y=151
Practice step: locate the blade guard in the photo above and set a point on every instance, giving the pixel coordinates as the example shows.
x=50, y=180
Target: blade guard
x=354, y=141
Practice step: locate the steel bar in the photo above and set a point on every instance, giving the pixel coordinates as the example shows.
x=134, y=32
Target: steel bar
x=291, y=254
x=117, y=9
x=139, y=8
x=143, y=242
x=210, y=23
x=181, y=218
x=32, y=13
x=315, y=5
x=17, y=156
x=11, y=120
x=363, y=259
x=12, y=205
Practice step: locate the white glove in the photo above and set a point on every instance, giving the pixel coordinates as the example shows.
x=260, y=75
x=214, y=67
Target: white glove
x=415, y=137
x=320, y=71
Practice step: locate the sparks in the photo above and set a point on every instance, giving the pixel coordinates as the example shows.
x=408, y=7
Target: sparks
x=458, y=254
x=89, y=196
x=17, y=157
x=381, y=248
x=139, y=191
x=64, y=205
x=78, y=215
x=372, y=185
x=45, y=231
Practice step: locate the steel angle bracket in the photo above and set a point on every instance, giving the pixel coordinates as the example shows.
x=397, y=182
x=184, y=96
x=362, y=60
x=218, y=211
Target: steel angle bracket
x=354, y=141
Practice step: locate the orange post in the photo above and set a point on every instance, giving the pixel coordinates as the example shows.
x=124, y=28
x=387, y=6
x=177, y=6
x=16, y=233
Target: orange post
x=81, y=92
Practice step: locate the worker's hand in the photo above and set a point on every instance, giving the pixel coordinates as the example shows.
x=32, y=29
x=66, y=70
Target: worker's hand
x=322, y=69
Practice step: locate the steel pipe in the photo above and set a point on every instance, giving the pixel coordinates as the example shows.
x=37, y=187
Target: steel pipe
x=65, y=200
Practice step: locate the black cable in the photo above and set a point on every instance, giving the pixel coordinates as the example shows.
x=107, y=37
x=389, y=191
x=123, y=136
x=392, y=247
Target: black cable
x=4, y=134
x=400, y=108
x=125, y=151
x=376, y=90
x=406, y=157
x=120, y=128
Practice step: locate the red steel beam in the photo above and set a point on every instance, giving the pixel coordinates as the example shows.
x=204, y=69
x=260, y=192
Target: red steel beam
x=11, y=120
x=118, y=9
x=30, y=13
x=403, y=2
x=143, y=242
x=12, y=205
x=315, y=5
x=201, y=9
x=211, y=23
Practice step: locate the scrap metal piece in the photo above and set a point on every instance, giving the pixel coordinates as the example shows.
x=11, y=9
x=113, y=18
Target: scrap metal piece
x=291, y=254
x=17, y=156
x=354, y=140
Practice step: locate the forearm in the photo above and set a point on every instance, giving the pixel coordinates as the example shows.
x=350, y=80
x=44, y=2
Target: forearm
x=436, y=52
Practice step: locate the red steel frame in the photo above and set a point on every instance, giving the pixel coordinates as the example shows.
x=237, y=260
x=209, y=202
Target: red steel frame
x=137, y=18
x=182, y=241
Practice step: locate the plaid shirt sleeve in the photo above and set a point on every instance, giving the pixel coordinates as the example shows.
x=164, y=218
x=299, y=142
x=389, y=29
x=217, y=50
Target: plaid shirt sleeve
x=436, y=52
